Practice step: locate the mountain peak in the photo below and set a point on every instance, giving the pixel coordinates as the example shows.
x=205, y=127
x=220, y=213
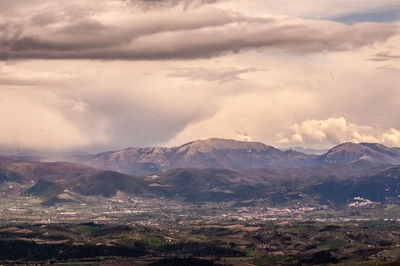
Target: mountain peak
x=351, y=152
x=220, y=143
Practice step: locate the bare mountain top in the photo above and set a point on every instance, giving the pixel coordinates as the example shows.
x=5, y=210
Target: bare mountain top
x=351, y=152
x=211, y=144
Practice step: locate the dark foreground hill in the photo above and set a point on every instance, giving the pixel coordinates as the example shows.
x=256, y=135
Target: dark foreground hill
x=383, y=187
x=275, y=187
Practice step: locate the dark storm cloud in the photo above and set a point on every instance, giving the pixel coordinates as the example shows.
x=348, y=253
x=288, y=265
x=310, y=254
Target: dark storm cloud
x=92, y=39
x=198, y=33
x=173, y=40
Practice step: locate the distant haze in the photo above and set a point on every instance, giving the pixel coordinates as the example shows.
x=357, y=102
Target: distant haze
x=110, y=74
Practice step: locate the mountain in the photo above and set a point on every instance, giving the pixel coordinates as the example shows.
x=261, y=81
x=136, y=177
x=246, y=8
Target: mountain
x=209, y=153
x=352, y=152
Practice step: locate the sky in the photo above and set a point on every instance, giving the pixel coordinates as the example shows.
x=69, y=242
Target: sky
x=110, y=74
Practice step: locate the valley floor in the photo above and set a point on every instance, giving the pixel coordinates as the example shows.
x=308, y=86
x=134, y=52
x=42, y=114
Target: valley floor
x=127, y=230
x=203, y=243
x=122, y=208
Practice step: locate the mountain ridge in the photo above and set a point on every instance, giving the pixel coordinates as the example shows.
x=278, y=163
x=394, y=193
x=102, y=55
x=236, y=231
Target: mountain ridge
x=233, y=154
x=208, y=153
x=343, y=173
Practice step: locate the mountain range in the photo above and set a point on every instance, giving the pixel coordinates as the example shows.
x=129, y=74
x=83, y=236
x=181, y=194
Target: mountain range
x=209, y=153
x=218, y=153
x=231, y=154
x=217, y=170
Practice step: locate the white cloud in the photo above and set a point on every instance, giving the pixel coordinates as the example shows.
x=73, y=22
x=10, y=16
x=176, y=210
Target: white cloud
x=391, y=136
x=337, y=130
x=243, y=136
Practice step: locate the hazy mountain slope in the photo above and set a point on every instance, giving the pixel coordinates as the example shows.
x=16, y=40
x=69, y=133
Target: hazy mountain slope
x=340, y=171
x=41, y=156
x=21, y=171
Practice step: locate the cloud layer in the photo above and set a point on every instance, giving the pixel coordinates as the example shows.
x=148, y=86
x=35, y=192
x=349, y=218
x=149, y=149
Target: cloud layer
x=107, y=74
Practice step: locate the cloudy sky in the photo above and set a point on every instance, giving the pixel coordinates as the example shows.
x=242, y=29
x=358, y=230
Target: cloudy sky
x=108, y=74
